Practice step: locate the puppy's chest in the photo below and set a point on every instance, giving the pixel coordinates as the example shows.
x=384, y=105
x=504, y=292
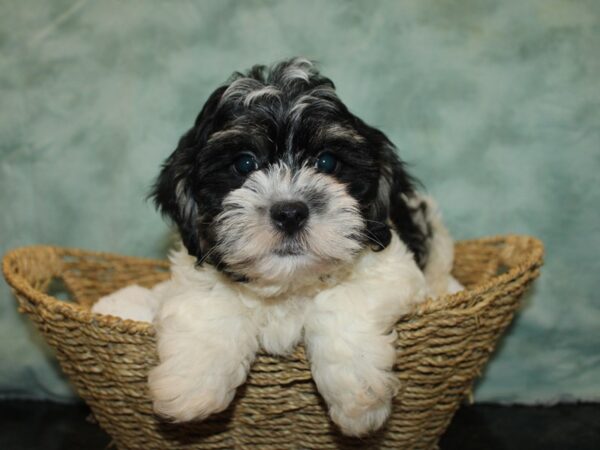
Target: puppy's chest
x=280, y=320
x=280, y=324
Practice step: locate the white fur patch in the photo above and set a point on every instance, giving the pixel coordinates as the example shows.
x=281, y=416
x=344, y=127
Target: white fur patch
x=267, y=91
x=209, y=327
x=300, y=69
x=250, y=245
x=350, y=340
x=132, y=302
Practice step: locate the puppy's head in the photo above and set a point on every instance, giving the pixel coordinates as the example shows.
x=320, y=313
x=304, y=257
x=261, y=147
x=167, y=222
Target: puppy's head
x=277, y=179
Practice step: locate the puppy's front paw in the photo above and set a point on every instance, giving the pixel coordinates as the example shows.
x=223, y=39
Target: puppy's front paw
x=132, y=302
x=356, y=420
x=357, y=381
x=361, y=400
x=183, y=398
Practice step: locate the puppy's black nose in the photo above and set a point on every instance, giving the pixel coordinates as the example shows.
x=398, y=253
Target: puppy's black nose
x=289, y=217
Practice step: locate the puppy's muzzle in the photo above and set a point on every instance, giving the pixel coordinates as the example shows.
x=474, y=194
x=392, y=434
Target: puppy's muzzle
x=289, y=216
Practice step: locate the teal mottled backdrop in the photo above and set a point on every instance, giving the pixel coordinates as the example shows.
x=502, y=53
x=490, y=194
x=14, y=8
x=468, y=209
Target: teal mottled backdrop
x=496, y=105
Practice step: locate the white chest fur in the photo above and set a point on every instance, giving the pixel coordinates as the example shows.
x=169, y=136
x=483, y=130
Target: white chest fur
x=210, y=328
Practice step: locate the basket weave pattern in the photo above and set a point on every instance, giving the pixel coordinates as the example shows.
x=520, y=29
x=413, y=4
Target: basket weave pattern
x=441, y=348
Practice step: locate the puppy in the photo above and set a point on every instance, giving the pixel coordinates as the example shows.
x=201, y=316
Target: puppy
x=298, y=222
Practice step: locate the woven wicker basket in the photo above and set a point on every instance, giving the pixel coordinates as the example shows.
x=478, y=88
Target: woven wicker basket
x=442, y=347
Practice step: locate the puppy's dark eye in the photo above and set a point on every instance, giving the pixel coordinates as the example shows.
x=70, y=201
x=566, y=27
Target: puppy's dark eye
x=326, y=163
x=245, y=164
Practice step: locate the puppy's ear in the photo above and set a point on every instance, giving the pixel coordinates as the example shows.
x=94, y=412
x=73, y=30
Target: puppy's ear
x=398, y=206
x=173, y=192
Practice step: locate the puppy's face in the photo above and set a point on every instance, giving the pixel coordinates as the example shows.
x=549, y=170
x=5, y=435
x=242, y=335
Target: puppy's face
x=278, y=179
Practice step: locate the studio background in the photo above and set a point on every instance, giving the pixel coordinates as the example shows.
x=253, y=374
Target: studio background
x=495, y=105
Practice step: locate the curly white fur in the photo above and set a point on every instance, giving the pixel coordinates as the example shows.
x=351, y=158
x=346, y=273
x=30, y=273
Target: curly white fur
x=247, y=240
x=209, y=329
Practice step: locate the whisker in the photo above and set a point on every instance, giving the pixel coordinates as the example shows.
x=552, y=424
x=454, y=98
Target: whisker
x=207, y=254
x=372, y=238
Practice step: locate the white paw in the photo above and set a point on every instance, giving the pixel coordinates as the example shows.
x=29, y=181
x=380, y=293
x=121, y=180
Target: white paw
x=182, y=398
x=356, y=405
x=132, y=302
x=355, y=420
x=454, y=285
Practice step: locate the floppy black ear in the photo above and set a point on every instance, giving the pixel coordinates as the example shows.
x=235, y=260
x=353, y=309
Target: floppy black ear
x=173, y=192
x=173, y=196
x=397, y=206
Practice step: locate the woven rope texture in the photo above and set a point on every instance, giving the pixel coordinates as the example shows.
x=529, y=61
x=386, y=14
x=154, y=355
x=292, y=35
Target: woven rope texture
x=441, y=348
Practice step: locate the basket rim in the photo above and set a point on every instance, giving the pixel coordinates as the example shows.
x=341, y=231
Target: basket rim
x=529, y=262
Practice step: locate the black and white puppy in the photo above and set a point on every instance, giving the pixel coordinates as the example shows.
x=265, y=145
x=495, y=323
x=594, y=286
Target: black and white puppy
x=299, y=222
